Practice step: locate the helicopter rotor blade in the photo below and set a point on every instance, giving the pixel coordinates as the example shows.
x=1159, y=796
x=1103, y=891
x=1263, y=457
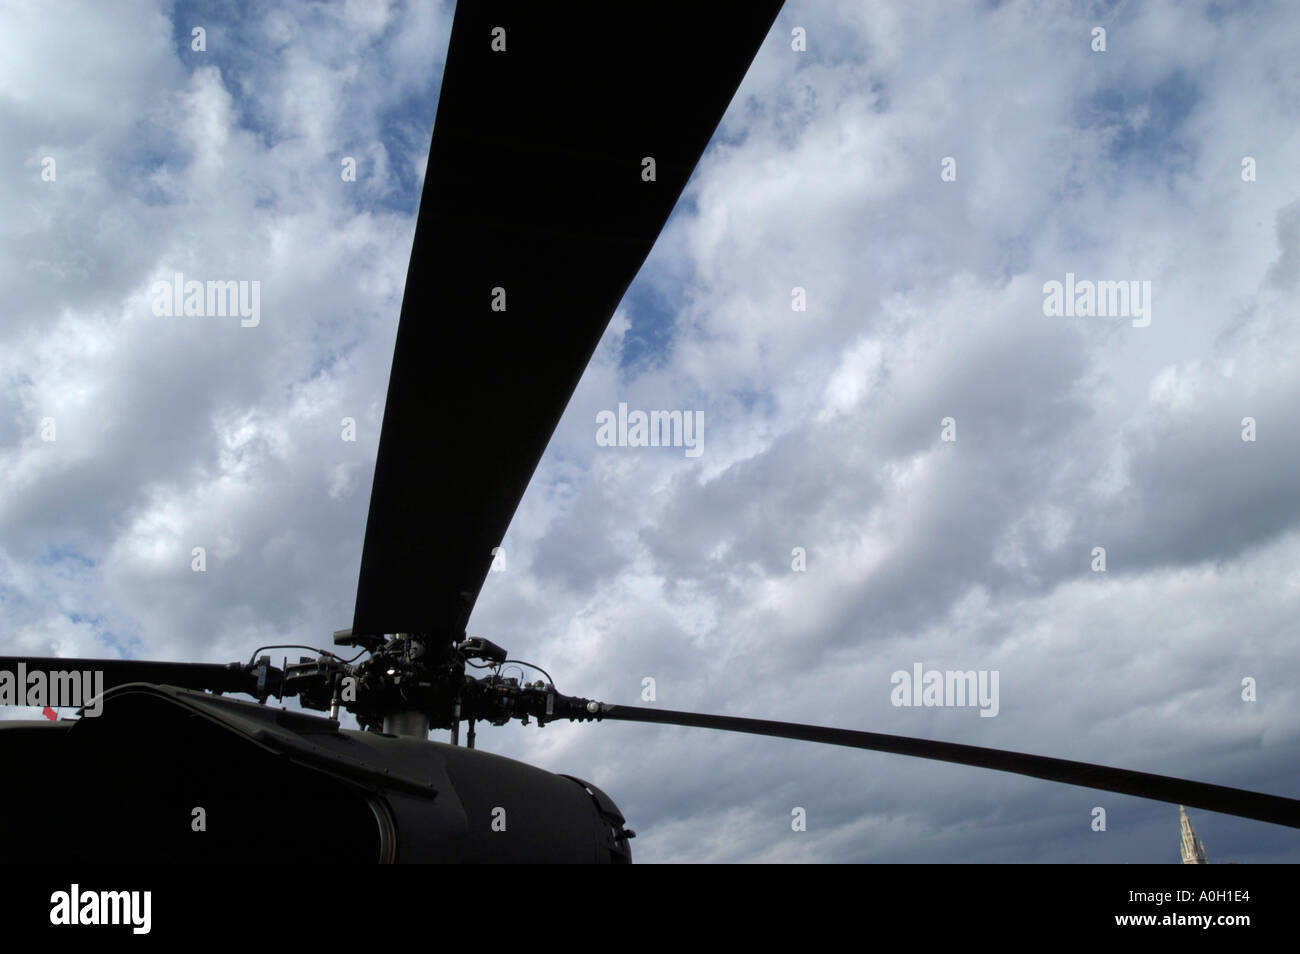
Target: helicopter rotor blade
x=215, y=677
x=538, y=210
x=1215, y=798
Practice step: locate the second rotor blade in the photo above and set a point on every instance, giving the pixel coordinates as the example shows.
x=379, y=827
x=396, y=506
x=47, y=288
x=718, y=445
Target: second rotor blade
x=1164, y=788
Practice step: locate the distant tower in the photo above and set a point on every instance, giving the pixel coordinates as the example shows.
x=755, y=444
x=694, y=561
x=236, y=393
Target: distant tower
x=1193, y=849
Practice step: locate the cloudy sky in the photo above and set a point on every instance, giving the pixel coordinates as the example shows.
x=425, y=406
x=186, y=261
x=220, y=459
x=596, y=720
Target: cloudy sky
x=823, y=427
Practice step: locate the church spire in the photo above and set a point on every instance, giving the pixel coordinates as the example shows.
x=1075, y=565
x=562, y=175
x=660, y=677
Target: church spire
x=1193, y=849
